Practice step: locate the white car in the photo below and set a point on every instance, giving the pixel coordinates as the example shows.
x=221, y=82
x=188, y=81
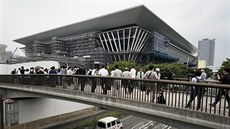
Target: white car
x=109, y=123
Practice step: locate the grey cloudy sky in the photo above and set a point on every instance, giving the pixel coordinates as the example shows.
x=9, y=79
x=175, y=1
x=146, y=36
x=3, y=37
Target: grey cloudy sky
x=193, y=19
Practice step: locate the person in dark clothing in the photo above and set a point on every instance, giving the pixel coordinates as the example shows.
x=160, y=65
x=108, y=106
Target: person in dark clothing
x=22, y=70
x=81, y=71
x=225, y=79
x=52, y=79
x=40, y=80
x=161, y=99
x=14, y=71
x=196, y=91
x=32, y=70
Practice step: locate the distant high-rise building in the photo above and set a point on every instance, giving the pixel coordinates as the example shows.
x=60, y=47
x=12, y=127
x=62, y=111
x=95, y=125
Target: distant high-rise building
x=206, y=49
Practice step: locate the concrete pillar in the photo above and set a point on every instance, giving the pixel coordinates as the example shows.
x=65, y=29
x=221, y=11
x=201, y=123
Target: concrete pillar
x=1, y=113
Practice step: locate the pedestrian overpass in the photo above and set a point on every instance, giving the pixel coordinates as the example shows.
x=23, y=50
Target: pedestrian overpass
x=138, y=97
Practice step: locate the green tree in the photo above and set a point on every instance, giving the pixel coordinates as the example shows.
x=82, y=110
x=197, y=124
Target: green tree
x=122, y=65
x=180, y=69
x=225, y=64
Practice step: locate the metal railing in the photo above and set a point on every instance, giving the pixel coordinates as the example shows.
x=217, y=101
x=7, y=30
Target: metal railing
x=181, y=94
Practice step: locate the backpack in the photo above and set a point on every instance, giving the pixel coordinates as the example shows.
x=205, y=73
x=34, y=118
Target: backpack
x=161, y=99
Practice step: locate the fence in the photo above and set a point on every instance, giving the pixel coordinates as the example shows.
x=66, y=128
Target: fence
x=180, y=94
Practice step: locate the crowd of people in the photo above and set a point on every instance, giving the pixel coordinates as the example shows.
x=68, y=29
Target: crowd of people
x=152, y=73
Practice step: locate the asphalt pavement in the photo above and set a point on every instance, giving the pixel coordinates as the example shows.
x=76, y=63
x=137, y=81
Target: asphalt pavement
x=133, y=122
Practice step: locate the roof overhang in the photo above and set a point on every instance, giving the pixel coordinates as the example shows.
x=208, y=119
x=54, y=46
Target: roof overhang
x=139, y=15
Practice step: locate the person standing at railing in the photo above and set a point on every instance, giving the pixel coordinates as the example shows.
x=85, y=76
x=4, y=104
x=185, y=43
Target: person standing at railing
x=158, y=74
x=196, y=91
x=82, y=71
x=32, y=70
x=203, y=75
x=151, y=87
x=133, y=75
x=75, y=79
x=158, y=77
x=133, y=72
x=225, y=79
x=140, y=75
x=22, y=70
x=127, y=83
x=52, y=80
x=70, y=78
x=93, y=81
x=14, y=71
x=64, y=72
x=117, y=83
x=104, y=84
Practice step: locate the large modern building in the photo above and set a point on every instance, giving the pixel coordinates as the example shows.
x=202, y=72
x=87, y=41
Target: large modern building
x=206, y=49
x=134, y=34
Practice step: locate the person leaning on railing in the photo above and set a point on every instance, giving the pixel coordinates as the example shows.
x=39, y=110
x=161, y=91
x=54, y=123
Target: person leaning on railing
x=225, y=79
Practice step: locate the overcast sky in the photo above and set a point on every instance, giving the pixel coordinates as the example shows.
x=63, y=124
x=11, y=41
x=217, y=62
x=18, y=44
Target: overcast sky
x=193, y=19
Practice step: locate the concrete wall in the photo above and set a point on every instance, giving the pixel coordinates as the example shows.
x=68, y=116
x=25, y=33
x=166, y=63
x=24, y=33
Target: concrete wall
x=6, y=68
x=34, y=109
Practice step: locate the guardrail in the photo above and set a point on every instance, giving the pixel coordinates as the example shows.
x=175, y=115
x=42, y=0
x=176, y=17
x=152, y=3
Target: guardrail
x=180, y=94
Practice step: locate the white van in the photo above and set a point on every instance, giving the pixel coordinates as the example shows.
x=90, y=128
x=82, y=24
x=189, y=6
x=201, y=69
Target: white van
x=109, y=123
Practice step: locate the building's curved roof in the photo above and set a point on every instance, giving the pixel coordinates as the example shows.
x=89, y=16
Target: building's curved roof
x=139, y=15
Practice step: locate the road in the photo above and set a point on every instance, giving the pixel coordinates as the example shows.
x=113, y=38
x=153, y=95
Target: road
x=129, y=122
x=132, y=122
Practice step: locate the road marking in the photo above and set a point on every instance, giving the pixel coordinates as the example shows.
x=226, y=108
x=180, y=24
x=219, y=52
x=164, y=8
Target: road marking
x=137, y=125
x=146, y=125
x=126, y=118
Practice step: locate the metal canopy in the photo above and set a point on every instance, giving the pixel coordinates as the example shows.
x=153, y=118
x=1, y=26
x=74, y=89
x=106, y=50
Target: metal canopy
x=139, y=15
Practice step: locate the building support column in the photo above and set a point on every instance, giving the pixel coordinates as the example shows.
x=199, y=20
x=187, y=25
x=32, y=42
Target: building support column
x=1, y=114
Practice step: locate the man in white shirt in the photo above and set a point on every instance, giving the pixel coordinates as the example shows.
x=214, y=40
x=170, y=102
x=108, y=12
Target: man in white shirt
x=203, y=75
x=140, y=74
x=158, y=74
x=127, y=74
x=93, y=72
x=151, y=87
x=117, y=83
x=133, y=72
x=104, y=72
